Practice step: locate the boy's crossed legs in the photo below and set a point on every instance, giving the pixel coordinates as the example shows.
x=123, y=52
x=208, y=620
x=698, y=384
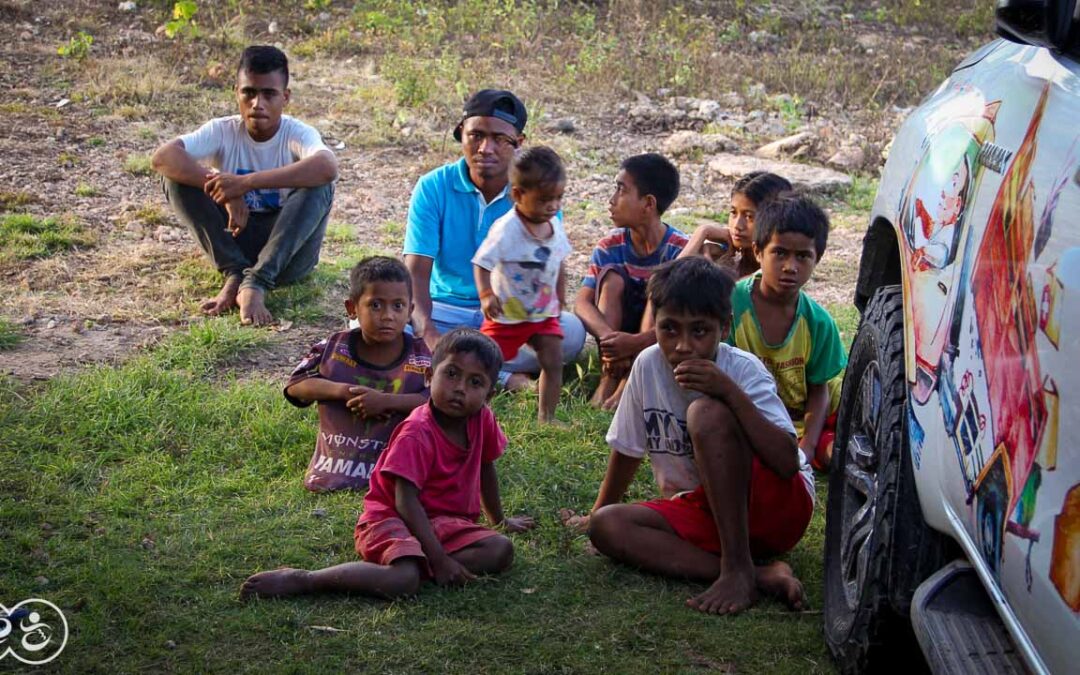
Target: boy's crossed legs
x=400, y=578
x=623, y=310
x=641, y=535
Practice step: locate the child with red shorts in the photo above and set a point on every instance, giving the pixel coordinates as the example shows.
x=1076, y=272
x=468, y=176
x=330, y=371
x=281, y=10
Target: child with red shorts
x=427, y=489
x=519, y=270
x=736, y=489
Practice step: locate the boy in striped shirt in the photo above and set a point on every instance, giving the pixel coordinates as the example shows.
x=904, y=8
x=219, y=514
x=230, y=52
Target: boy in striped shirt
x=611, y=302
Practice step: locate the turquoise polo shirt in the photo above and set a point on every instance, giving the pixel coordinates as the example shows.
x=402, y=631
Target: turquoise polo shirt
x=448, y=220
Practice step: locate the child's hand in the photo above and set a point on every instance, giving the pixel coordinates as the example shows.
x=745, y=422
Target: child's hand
x=519, y=523
x=702, y=375
x=491, y=306
x=368, y=402
x=449, y=572
x=616, y=346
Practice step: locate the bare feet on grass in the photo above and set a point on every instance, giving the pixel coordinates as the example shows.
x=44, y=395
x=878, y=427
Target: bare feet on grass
x=604, y=391
x=731, y=593
x=779, y=581
x=252, y=307
x=224, y=300
x=276, y=583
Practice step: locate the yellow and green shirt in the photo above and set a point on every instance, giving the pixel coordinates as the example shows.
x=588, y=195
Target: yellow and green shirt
x=812, y=352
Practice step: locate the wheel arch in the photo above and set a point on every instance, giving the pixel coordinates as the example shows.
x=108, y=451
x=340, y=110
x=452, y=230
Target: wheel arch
x=879, y=264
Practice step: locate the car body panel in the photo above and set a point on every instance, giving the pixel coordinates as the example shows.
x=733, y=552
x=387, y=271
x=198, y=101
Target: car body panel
x=982, y=189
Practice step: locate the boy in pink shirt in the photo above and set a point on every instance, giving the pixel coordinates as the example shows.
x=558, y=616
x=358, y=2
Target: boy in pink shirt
x=427, y=490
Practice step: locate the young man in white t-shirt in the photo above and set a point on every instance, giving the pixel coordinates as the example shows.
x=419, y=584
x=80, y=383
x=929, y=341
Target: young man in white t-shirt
x=260, y=211
x=735, y=486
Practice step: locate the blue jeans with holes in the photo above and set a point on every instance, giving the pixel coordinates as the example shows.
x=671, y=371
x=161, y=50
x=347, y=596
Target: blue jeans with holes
x=276, y=247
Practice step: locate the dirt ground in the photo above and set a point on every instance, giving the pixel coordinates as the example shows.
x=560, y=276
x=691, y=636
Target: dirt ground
x=74, y=135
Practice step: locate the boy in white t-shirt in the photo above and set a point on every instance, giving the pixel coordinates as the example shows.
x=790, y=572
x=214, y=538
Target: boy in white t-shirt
x=259, y=213
x=735, y=487
x=519, y=270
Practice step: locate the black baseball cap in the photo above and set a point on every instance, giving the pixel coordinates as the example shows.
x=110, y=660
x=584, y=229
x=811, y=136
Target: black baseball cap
x=497, y=103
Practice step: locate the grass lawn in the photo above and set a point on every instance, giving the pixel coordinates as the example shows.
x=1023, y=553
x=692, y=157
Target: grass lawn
x=139, y=497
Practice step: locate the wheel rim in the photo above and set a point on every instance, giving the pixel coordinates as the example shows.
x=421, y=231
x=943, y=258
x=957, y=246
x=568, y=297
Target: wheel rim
x=860, y=485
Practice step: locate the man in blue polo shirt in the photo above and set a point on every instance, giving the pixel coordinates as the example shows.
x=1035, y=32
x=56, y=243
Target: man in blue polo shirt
x=451, y=211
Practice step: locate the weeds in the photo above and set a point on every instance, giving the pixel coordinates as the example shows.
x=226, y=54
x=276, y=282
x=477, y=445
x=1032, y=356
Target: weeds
x=77, y=48
x=138, y=165
x=10, y=335
x=24, y=237
x=14, y=200
x=86, y=190
x=183, y=24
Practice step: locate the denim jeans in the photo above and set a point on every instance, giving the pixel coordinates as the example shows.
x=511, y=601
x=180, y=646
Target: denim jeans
x=276, y=247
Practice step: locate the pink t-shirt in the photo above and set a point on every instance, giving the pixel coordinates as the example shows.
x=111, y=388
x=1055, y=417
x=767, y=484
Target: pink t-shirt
x=447, y=475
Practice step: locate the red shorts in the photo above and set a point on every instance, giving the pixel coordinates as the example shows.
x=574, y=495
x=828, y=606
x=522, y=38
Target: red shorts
x=779, y=511
x=384, y=541
x=510, y=336
x=823, y=451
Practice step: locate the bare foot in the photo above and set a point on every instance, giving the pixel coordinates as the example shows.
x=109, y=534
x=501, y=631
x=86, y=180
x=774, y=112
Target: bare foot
x=612, y=401
x=517, y=382
x=276, y=583
x=731, y=593
x=604, y=390
x=553, y=422
x=777, y=579
x=224, y=300
x=252, y=309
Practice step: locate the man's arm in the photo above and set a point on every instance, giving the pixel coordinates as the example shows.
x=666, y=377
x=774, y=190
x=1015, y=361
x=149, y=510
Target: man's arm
x=817, y=410
x=420, y=270
x=620, y=473
x=173, y=161
x=319, y=169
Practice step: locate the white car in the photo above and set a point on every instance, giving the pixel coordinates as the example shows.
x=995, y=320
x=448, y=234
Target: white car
x=954, y=495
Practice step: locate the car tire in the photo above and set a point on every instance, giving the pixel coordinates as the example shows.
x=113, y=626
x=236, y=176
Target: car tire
x=878, y=548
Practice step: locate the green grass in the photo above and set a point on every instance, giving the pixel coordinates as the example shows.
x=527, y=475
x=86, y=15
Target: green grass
x=23, y=237
x=847, y=319
x=10, y=335
x=138, y=165
x=15, y=200
x=86, y=190
x=146, y=493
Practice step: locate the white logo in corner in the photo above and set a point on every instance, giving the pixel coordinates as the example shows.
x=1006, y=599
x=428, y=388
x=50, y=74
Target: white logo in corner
x=34, y=631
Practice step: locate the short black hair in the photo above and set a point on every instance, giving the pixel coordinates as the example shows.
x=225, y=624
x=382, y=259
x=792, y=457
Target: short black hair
x=470, y=341
x=760, y=186
x=535, y=167
x=377, y=268
x=791, y=212
x=654, y=175
x=263, y=59
x=694, y=285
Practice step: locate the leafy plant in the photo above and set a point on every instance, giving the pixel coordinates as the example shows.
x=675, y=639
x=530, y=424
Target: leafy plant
x=183, y=22
x=10, y=335
x=77, y=48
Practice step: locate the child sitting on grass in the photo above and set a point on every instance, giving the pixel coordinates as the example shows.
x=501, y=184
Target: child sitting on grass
x=776, y=320
x=366, y=380
x=611, y=302
x=519, y=270
x=420, y=515
x=734, y=486
x=732, y=246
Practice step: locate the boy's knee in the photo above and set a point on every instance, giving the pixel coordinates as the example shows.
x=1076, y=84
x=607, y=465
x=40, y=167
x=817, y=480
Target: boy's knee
x=604, y=526
x=708, y=417
x=611, y=284
x=404, y=582
x=502, y=553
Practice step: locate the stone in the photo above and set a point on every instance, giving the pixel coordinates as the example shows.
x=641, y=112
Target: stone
x=127, y=6
x=272, y=28
x=789, y=145
x=562, y=125
x=41, y=581
x=319, y=513
x=51, y=324
x=169, y=644
x=848, y=158
x=683, y=143
x=804, y=177
x=709, y=109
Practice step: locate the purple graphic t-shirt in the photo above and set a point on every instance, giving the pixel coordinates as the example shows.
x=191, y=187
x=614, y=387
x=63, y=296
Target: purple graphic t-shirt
x=348, y=445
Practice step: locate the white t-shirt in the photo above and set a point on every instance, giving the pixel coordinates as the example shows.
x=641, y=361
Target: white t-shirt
x=524, y=269
x=651, y=416
x=225, y=142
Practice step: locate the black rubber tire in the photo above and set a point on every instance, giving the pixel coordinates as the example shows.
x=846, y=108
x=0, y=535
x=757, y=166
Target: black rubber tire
x=866, y=617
